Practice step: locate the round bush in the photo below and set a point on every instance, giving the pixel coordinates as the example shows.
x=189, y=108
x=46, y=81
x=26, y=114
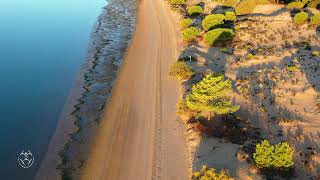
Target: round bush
x=230, y=16
x=295, y=5
x=300, y=18
x=314, y=4
x=177, y=2
x=190, y=33
x=212, y=20
x=315, y=19
x=219, y=34
x=185, y=23
x=195, y=10
x=263, y=154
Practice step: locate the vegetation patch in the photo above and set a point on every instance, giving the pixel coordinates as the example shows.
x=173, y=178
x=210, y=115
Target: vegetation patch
x=301, y=18
x=211, y=94
x=219, y=34
x=315, y=20
x=245, y=7
x=190, y=34
x=177, y=2
x=269, y=156
x=230, y=16
x=315, y=53
x=185, y=23
x=314, y=3
x=211, y=174
x=181, y=70
x=295, y=5
x=230, y=3
x=212, y=20
x=195, y=10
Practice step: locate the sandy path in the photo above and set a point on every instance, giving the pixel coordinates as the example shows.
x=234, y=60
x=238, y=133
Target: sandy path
x=140, y=137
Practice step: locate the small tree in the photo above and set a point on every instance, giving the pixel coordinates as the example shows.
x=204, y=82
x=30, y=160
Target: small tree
x=269, y=156
x=263, y=154
x=211, y=95
x=283, y=155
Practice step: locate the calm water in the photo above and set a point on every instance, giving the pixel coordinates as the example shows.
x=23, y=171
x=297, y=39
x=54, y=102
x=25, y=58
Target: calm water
x=43, y=43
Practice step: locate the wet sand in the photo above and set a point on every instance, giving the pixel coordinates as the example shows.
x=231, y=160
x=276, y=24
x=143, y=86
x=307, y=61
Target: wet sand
x=140, y=136
x=77, y=125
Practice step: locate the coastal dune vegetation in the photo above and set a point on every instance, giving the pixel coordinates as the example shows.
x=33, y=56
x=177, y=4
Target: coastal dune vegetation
x=249, y=73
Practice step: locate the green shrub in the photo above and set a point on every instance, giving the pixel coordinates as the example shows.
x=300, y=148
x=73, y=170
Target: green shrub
x=211, y=94
x=230, y=16
x=283, y=156
x=190, y=34
x=185, y=23
x=269, y=156
x=210, y=174
x=183, y=110
x=300, y=18
x=212, y=20
x=181, y=71
x=315, y=53
x=295, y=5
x=177, y=2
x=219, y=34
x=315, y=19
x=245, y=7
x=314, y=3
x=195, y=10
x=292, y=68
x=230, y=3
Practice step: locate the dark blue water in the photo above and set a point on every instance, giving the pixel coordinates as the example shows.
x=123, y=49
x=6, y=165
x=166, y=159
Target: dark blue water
x=43, y=43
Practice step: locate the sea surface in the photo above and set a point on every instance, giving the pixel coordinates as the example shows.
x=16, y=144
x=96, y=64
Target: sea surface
x=43, y=44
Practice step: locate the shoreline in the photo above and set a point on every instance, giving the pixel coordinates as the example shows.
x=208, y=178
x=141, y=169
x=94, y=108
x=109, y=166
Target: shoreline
x=90, y=82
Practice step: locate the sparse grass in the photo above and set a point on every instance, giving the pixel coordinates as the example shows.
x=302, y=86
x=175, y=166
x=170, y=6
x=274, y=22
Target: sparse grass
x=181, y=71
x=219, y=34
x=212, y=20
x=300, y=18
x=177, y=2
x=195, y=10
x=315, y=20
x=190, y=34
x=245, y=7
x=210, y=174
x=185, y=23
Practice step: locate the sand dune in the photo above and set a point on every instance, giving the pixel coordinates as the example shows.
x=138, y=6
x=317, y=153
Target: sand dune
x=140, y=137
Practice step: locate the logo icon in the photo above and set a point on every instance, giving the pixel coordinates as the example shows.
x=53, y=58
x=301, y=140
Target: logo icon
x=25, y=159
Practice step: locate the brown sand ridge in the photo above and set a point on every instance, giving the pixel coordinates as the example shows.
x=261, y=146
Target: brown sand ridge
x=139, y=137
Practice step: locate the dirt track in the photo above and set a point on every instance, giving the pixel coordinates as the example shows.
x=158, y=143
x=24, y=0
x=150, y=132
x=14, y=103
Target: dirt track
x=140, y=136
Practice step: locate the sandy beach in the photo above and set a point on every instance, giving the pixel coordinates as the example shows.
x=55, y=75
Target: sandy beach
x=140, y=136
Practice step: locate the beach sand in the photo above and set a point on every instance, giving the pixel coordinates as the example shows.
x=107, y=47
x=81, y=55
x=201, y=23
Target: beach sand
x=140, y=136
